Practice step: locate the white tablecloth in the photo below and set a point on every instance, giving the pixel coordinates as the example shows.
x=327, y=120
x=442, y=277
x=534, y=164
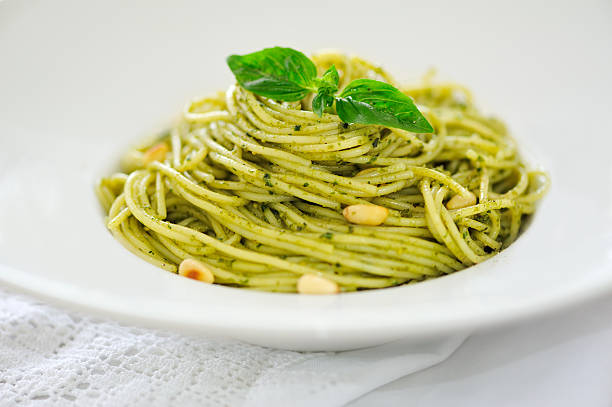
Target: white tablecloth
x=563, y=360
x=51, y=357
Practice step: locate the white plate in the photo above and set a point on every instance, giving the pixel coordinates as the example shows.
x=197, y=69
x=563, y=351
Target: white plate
x=81, y=81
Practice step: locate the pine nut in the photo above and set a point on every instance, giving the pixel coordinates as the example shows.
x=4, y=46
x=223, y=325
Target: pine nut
x=191, y=268
x=313, y=284
x=371, y=215
x=155, y=153
x=461, y=201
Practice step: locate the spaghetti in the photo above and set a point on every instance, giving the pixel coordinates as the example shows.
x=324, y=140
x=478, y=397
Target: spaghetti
x=256, y=191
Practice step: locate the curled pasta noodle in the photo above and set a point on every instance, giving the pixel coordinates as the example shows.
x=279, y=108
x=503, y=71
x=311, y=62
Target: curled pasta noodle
x=255, y=189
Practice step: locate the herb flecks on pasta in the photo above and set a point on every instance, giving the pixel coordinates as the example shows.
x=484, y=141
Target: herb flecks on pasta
x=270, y=195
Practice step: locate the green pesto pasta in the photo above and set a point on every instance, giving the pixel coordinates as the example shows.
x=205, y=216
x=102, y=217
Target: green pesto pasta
x=256, y=190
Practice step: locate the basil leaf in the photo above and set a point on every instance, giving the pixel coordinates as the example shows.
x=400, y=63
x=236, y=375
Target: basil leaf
x=277, y=73
x=367, y=101
x=323, y=100
x=329, y=79
x=327, y=86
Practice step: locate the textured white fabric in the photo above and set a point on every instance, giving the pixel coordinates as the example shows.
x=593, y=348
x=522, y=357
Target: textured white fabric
x=560, y=360
x=49, y=357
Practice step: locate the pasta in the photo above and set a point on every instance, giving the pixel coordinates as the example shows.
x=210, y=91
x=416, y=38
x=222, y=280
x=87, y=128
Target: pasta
x=256, y=191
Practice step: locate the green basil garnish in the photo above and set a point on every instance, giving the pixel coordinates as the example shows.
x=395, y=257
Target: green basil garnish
x=321, y=101
x=276, y=73
x=288, y=75
x=329, y=79
x=367, y=101
x=327, y=87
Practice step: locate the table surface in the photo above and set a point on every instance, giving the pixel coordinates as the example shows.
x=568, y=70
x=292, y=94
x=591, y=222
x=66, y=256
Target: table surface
x=563, y=360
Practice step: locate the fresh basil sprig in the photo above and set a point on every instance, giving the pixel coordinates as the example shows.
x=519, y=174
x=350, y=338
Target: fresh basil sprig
x=373, y=102
x=288, y=75
x=327, y=86
x=276, y=73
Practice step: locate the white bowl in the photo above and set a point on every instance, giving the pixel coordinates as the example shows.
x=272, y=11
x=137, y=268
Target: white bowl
x=81, y=81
